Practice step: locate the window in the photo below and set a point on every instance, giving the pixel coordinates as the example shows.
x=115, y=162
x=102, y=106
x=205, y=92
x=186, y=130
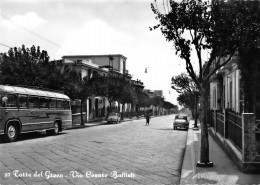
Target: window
x=33, y=102
x=11, y=100
x=214, y=98
x=181, y=117
x=224, y=96
x=60, y=104
x=43, y=102
x=52, y=103
x=66, y=104
x=230, y=98
x=90, y=106
x=22, y=101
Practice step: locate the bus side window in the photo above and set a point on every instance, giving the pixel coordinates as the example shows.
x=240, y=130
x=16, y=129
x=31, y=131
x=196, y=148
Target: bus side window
x=66, y=104
x=52, y=103
x=11, y=100
x=33, y=102
x=22, y=101
x=60, y=104
x=43, y=102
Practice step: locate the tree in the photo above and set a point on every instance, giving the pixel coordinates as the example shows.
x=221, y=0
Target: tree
x=189, y=93
x=219, y=27
x=168, y=106
x=112, y=87
x=30, y=67
x=187, y=100
x=143, y=99
x=77, y=87
x=249, y=62
x=128, y=94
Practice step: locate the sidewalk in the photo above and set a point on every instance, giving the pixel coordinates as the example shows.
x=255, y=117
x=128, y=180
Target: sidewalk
x=224, y=170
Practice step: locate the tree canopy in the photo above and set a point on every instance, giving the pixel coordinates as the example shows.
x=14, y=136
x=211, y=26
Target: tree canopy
x=30, y=67
x=219, y=27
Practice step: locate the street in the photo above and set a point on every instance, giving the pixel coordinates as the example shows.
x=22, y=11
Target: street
x=125, y=153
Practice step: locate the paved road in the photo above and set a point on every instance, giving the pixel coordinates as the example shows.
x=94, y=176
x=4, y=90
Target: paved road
x=136, y=153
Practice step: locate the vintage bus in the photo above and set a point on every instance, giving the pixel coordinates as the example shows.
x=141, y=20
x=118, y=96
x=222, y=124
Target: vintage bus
x=29, y=110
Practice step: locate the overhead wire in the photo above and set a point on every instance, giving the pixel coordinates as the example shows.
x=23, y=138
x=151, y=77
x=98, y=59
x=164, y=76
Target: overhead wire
x=33, y=33
x=5, y=45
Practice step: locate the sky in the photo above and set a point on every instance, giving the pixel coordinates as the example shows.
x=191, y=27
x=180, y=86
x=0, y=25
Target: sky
x=93, y=27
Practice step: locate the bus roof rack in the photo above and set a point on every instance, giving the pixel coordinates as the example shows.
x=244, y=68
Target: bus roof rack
x=37, y=88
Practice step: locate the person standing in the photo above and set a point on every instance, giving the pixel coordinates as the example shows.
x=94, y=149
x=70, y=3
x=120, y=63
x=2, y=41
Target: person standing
x=147, y=118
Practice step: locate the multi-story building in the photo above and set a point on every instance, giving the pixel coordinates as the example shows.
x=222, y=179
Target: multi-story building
x=88, y=65
x=138, y=85
x=115, y=62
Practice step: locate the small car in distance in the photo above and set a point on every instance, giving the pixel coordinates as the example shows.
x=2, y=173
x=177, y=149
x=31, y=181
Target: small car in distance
x=113, y=118
x=181, y=121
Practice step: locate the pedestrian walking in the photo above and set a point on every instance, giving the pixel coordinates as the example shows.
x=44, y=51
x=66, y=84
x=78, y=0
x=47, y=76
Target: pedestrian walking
x=147, y=117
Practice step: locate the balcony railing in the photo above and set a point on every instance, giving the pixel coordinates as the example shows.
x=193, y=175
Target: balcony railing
x=228, y=125
x=234, y=129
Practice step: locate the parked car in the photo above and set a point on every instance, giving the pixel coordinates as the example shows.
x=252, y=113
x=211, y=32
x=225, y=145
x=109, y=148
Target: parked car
x=113, y=117
x=181, y=121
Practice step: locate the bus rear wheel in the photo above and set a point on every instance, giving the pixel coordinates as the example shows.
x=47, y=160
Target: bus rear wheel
x=55, y=130
x=11, y=132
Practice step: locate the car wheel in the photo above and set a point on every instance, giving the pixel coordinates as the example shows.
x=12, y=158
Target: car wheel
x=11, y=132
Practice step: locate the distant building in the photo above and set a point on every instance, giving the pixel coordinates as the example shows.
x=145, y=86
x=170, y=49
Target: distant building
x=153, y=93
x=115, y=62
x=158, y=93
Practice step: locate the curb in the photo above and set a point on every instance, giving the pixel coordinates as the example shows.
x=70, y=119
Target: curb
x=93, y=124
x=188, y=170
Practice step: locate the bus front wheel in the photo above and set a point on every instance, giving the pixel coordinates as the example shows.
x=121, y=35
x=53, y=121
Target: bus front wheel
x=11, y=132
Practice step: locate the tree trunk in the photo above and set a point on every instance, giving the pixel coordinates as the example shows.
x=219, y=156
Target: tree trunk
x=192, y=111
x=81, y=112
x=123, y=111
x=110, y=106
x=204, y=150
x=196, y=112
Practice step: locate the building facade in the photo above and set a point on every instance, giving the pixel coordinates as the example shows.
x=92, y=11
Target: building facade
x=236, y=128
x=225, y=91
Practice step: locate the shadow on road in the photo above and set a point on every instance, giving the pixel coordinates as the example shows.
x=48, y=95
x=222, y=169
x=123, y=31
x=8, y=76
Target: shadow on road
x=30, y=136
